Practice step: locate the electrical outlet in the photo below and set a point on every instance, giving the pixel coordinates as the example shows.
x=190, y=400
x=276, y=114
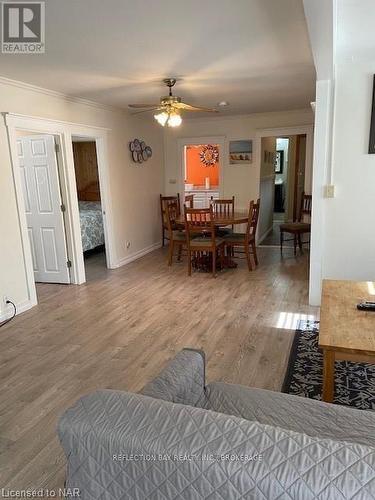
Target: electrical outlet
x=128, y=244
x=4, y=304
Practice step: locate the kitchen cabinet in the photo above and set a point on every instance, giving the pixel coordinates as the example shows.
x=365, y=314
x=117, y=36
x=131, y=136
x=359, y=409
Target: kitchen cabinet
x=202, y=196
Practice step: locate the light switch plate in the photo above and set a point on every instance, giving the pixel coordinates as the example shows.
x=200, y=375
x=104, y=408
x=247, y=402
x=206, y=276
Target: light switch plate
x=329, y=191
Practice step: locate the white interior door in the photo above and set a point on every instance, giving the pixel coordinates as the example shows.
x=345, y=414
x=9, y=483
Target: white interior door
x=43, y=208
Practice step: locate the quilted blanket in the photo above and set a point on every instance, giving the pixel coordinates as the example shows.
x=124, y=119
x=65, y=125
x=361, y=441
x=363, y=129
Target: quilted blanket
x=91, y=219
x=169, y=445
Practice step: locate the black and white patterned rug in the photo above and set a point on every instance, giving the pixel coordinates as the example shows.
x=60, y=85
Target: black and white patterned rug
x=354, y=382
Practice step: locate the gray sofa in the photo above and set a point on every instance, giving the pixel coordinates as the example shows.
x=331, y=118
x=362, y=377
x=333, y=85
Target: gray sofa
x=181, y=439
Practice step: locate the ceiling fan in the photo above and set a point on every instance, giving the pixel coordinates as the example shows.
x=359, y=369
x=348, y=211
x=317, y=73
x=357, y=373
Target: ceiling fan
x=170, y=107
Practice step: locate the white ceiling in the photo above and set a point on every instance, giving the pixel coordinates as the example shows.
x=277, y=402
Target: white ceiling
x=255, y=54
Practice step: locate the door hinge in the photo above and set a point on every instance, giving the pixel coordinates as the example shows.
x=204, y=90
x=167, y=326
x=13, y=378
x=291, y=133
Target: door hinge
x=63, y=207
x=57, y=147
x=69, y=264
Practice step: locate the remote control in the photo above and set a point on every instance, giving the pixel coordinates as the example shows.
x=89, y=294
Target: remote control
x=366, y=306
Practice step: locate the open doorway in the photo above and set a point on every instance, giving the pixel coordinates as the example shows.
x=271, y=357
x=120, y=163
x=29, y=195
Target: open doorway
x=89, y=205
x=282, y=183
x=201, y=173
x=42, y=206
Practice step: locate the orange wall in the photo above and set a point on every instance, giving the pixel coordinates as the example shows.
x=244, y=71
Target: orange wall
x=196, y=171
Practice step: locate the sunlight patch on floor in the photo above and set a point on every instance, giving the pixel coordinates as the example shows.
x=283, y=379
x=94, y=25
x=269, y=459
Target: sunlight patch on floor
x=290, y=320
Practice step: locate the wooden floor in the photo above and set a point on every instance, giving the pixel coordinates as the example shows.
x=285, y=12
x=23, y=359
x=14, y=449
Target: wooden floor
x=120, y=328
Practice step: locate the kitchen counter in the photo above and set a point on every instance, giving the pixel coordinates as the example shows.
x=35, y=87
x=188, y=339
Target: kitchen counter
x=202, y=188
x=202, y=196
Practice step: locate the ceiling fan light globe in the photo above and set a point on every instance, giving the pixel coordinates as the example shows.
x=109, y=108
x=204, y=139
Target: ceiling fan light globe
x=175, y=120
x=161, y=118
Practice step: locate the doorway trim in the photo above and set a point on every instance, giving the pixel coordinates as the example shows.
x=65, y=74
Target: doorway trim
x=220, y=140
x=63, y=132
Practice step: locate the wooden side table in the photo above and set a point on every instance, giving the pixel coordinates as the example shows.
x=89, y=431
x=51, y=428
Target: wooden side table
x=345, y=333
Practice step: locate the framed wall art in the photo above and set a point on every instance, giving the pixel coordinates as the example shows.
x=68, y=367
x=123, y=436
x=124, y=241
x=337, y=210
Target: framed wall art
x=279, y=162
x=240, y=152
x=371, y=146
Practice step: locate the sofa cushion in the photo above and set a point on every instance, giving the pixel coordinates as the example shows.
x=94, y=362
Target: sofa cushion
x=294, y=413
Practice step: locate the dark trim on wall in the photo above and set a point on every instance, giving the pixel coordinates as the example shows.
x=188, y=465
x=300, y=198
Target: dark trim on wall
x=371, y=146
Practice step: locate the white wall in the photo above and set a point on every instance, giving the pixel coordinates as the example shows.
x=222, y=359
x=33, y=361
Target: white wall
x=343, y=237
x=349, y=250
x=239, y=180
x=131, y=186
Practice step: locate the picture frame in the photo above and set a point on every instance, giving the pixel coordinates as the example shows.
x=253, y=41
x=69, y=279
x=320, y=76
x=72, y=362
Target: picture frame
x=279, y=161
x=371, y=146
x=240, y=152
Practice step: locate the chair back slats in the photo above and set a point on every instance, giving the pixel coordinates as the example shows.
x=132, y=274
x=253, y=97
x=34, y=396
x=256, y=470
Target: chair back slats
x=172, y=214
x=189, y=200
x=250, y=221
x=164, y=201
x=199, y=220
x=223, y=208
x=306, y=205
x=255, y=217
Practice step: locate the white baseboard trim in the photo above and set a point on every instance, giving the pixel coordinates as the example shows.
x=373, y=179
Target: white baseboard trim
x=21, y=307
x=264, y=235
x=137, y=255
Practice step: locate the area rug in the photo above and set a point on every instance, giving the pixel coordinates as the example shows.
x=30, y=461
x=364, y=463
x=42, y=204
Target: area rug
x=354, y=382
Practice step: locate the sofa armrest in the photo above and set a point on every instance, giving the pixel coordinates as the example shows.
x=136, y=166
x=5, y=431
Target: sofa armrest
x=122, y=445
x=182, y=380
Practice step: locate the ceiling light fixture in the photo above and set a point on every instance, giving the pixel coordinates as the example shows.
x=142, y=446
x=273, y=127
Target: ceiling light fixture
x=162, y=118
x=170, y=107
x=171, y=118
x=175, y=119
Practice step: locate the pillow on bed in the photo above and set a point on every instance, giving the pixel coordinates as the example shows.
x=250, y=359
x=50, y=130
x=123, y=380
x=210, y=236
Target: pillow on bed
x=89, y=205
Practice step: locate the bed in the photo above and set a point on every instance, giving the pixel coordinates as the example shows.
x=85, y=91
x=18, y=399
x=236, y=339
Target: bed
x=91, y=218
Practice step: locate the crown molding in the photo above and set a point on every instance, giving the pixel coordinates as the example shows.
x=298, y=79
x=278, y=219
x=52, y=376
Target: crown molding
x=58, y=95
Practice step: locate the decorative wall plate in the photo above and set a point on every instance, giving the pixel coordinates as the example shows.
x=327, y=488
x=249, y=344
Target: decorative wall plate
x=139, y=150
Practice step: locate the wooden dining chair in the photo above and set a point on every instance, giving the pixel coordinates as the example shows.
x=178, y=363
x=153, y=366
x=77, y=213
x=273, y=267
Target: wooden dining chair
x=189, y=200
x=164, y=201
x=176, y=237
x=201, y=237
x=236, y=241
x=299, y=227
x=223, y=208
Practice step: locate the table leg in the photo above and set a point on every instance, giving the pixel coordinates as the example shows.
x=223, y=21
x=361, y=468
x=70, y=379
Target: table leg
x=328, y=375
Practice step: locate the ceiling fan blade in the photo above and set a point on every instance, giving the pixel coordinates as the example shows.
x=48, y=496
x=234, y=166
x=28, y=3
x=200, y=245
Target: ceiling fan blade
x=145, y=111
x=143, y=105
x=188, y=107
